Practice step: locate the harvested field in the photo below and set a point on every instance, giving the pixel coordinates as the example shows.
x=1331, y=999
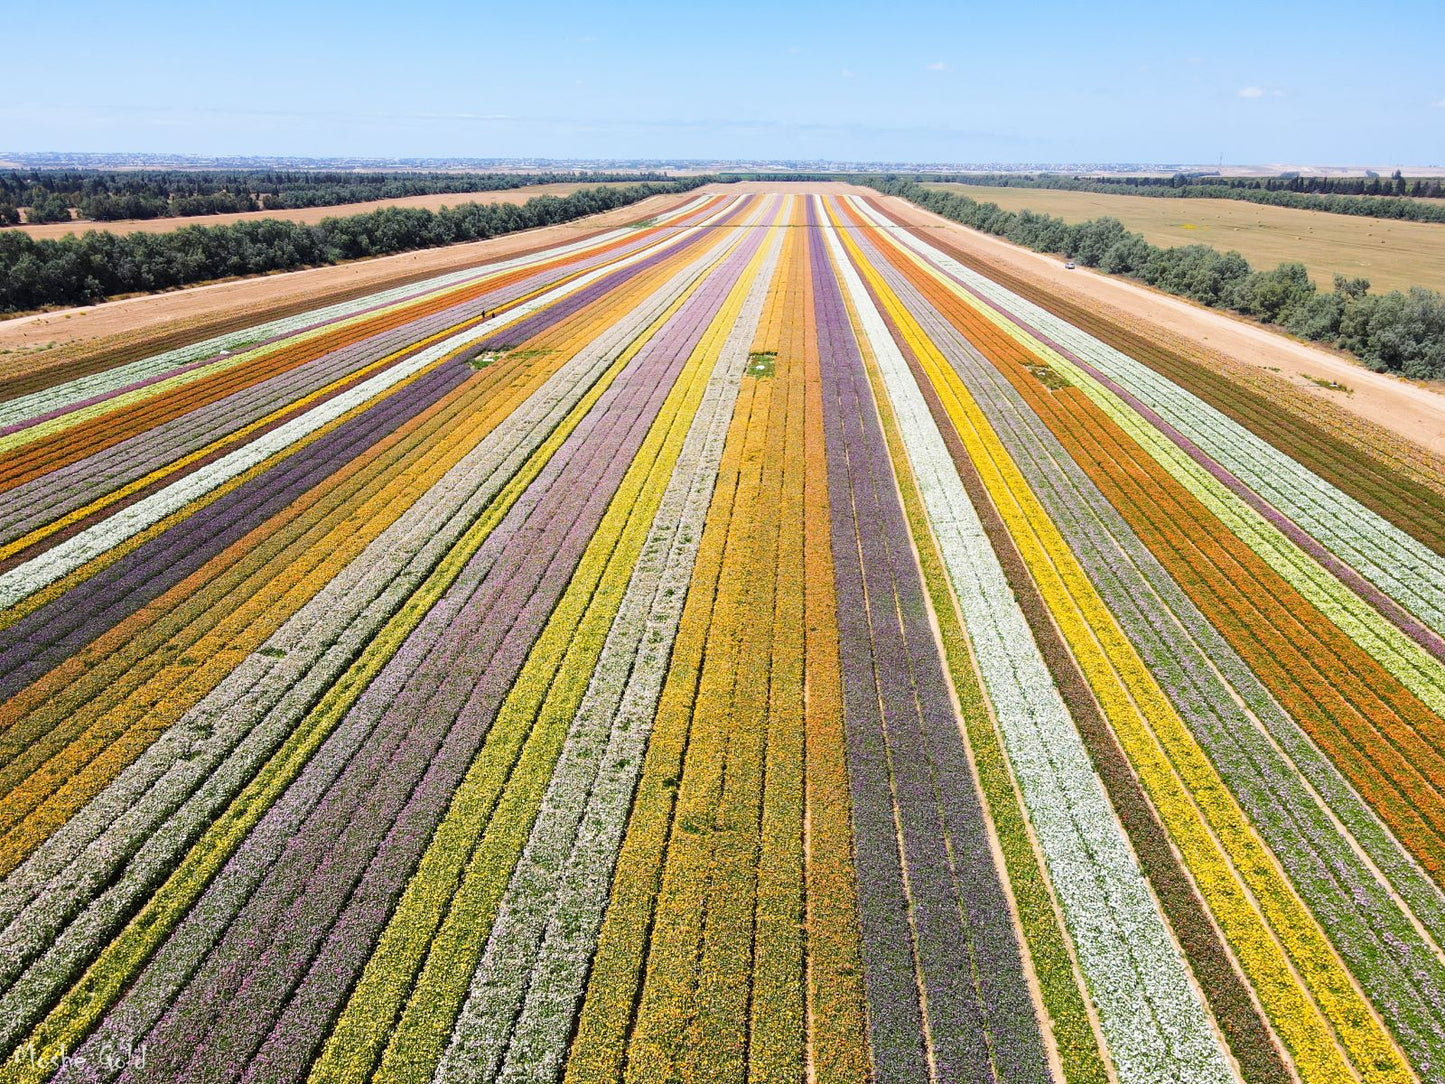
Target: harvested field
x=780, y=640
x=1392, y=255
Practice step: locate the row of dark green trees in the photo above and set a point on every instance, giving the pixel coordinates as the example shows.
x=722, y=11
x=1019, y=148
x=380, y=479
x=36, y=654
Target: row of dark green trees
x=1401, y=332
x=1371, y=184
x=89, y=268
x=108, y=196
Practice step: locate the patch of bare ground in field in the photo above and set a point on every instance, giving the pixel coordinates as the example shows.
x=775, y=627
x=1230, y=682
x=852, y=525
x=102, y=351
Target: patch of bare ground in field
x=1393, y=255
x=307, y=215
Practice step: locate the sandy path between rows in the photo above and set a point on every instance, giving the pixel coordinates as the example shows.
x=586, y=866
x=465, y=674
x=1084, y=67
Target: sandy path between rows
x=153, y=311
x=310, y=214
x=1410, y=410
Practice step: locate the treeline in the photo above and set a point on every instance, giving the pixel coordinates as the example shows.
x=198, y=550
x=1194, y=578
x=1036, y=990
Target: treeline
x=83, y=270
x=1394, y=332
x=51, y=195
x=1371, y=184
x=1396, y=198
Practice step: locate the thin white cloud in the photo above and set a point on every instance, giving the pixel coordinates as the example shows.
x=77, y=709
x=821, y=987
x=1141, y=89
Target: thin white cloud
x=1440, y=104
x=1251, y=92
x=939, y=66
x=1276, y=93
x=848, y=73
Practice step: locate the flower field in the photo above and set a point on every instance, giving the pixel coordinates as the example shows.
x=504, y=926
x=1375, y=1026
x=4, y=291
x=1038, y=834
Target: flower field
x=755, y=644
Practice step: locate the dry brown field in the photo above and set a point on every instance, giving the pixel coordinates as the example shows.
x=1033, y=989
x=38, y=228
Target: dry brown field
x=1392, y=255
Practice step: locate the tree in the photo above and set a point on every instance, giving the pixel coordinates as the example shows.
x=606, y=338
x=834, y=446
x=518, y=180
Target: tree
x=49, y=209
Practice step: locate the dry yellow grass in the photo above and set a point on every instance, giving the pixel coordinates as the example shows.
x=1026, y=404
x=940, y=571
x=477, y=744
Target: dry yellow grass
x=1392, y=255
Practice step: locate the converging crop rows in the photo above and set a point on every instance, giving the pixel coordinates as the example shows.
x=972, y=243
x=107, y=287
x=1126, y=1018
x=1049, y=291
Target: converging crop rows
x=754, y=644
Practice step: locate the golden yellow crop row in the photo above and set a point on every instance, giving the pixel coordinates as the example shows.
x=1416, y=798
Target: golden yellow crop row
x=600, y=1045
x=740, y=754
x=692, y=1016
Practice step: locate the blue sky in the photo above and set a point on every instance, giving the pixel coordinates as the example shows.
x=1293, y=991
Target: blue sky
x=1258, y=82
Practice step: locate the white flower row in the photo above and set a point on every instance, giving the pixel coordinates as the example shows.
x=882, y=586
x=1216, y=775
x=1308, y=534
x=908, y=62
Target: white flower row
x=1154, y=1023
x=1400, y=566
x=1401, y=569
x=66, y=900
x=518, y=1015
x=220, y=364
x=1419, y=671
x=41, y=402
x=58, y=492
x=1367, y=626
x=37, y=573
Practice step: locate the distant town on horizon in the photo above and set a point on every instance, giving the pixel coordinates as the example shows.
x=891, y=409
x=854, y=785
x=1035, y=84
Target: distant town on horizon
x=46, y=160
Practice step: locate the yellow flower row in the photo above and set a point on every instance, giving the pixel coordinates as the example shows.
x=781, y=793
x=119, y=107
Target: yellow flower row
x=1406, y=660
x=778, y=1017
x=684, y=757
x=692, y=1017
x=497, y=801
x=147, y=683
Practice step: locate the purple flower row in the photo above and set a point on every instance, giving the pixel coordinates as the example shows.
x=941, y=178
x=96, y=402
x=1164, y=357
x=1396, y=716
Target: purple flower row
x=44, y=499
x=52, y=633
x=944, y=932
x=96, y=388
